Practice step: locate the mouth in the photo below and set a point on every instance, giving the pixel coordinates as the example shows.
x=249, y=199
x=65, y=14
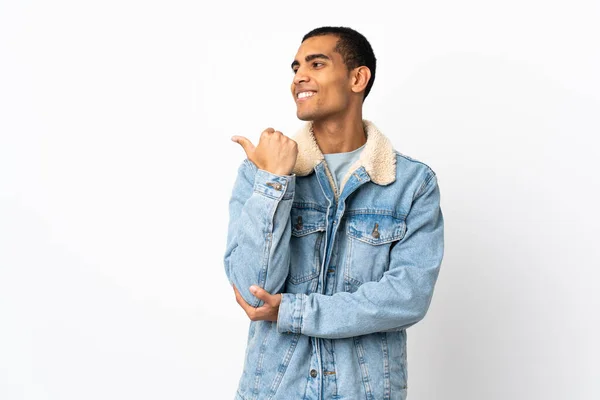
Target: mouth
x=304, y=96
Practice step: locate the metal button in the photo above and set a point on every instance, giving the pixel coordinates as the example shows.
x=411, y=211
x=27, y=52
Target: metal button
x=274, y=185
x=375, y=232
x=313, y=373
x=299, y=223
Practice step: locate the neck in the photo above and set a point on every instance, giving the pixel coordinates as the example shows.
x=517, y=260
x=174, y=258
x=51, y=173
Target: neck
x=340, y=135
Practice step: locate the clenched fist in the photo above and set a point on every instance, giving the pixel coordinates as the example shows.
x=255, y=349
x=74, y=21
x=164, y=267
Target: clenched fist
x=275, y=152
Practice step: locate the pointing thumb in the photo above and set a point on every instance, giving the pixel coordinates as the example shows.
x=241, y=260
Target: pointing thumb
x=245, y=143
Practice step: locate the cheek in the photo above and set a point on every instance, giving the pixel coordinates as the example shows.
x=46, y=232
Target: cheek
x=335, y=97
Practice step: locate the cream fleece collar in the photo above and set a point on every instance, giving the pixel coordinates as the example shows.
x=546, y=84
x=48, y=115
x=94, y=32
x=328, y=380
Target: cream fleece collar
x=378, y=156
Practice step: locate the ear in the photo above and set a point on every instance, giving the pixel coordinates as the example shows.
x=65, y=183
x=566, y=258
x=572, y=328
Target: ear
x=360, y=78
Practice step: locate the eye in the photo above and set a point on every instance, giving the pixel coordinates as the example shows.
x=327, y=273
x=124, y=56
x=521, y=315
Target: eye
x=315, y=64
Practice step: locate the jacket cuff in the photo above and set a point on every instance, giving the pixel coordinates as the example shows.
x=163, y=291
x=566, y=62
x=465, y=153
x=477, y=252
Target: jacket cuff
x=274, y=186
x=289, y=317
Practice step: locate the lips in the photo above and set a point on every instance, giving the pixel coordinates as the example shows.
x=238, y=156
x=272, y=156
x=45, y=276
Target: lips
x=305, y=95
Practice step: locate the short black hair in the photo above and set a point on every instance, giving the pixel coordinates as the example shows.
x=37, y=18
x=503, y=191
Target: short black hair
x=354, y=48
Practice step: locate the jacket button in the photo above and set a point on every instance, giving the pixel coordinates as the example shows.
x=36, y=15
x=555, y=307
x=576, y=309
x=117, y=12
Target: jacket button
x=375, y=232
x=275, y=185
x=313, y=373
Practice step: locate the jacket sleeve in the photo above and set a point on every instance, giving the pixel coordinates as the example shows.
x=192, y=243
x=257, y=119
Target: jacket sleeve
x=398, y=300
x=259, y=230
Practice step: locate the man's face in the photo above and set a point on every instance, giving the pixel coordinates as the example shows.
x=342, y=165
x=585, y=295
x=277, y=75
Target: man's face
x=322, y=73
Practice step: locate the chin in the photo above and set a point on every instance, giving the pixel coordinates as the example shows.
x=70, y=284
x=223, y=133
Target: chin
x=307, y=116
x=303, y=116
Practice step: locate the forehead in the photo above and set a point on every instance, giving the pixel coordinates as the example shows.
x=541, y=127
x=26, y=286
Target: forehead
x=324, y=44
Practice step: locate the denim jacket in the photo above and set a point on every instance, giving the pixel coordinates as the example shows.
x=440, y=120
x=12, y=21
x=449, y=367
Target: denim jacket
x=356, y=266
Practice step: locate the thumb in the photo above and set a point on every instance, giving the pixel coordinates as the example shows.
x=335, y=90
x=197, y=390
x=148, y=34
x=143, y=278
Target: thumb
x=245, y=143
x=261, y=293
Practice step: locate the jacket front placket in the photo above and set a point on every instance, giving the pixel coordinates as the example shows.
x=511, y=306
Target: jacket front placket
x=335, y=211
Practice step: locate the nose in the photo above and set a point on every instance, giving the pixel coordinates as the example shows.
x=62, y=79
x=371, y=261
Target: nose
x=300, y=76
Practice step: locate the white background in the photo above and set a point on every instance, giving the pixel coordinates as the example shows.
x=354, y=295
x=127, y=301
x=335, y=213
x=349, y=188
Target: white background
x=116, y=168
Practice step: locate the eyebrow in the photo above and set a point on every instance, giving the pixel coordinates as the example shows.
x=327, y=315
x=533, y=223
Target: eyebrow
x=310, y=57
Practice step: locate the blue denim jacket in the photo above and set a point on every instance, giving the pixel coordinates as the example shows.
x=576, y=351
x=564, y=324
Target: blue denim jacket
x=356, y=265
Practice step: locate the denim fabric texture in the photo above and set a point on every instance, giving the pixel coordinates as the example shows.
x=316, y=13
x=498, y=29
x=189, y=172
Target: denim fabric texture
x=356, y=264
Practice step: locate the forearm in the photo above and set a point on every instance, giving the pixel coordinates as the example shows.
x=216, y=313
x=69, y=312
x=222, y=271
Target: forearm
x=374, y=307
x=259, y=231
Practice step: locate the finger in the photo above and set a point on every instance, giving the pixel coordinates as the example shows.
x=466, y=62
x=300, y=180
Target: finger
x=245, y=143
x=260, y=314
x=245, y=306
x=279, y=136
x=267, y=132
x=238, y=297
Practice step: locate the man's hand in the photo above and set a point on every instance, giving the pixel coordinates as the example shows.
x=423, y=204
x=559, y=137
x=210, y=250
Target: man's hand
x=275, y=153
x=266, y=312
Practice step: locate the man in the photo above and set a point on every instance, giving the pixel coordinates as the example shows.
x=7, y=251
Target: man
x=335, y=239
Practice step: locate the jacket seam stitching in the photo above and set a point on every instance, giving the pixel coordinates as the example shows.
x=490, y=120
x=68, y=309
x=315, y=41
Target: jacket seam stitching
x=423, y=186
x=268, y=244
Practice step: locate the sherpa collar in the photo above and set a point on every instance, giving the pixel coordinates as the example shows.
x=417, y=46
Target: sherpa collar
x=378, y=156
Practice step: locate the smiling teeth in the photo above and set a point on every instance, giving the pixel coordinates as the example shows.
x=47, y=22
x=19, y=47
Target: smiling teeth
x=305, y=94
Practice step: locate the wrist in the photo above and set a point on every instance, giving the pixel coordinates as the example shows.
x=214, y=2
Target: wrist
x=278, y=171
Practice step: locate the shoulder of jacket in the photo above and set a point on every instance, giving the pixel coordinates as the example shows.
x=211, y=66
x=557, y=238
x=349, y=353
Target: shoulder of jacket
x=403, y=158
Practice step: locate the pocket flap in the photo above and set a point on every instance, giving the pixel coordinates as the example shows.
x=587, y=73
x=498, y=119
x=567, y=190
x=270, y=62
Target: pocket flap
x=375, y=229
x=307, y=220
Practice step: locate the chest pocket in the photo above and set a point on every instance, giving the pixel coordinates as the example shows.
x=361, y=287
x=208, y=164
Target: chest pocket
x=370, y=237
x=308, y=232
